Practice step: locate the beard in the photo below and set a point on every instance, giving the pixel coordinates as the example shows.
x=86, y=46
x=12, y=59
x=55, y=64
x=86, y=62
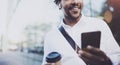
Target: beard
x=73, y=11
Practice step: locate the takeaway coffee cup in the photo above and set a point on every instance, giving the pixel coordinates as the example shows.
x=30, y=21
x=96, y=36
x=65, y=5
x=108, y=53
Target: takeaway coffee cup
x=54, y=57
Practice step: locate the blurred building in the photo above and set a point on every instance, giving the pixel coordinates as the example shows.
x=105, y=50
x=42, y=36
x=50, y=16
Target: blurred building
x=35, y=34
x=7, y=9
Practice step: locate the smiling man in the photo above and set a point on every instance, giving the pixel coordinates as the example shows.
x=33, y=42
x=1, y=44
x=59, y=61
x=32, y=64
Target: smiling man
x=72, y=10
x=74, y=23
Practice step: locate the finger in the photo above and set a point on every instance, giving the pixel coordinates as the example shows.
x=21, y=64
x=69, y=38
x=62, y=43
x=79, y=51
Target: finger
x=88, y=62
x=90, y=57
x=95, y=51
x=93, y=59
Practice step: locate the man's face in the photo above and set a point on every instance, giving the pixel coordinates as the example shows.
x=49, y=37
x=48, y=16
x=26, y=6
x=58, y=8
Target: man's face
x=72, y=8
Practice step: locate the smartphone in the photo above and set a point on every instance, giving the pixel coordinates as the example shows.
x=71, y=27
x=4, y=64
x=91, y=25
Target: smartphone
x=91, y=38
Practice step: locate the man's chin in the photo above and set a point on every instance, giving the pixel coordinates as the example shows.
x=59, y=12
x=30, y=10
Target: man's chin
x=75, y=16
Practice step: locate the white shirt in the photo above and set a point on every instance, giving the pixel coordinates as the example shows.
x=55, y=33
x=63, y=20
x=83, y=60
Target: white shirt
x=55, y=41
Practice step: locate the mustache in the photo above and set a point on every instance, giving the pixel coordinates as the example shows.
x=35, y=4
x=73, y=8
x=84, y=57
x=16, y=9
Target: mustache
x=74, y=6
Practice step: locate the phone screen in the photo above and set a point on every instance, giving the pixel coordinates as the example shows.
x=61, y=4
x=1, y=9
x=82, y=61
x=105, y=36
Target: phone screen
x=91, y=38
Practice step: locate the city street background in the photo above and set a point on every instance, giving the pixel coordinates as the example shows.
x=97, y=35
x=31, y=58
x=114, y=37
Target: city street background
x=24, y=24
x=21, y=58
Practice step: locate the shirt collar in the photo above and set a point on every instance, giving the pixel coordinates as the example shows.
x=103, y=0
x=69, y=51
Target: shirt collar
x=76, y=25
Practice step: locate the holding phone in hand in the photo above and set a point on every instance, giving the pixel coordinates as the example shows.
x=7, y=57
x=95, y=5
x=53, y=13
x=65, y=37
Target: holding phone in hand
x=92, y=55
x=91, y=38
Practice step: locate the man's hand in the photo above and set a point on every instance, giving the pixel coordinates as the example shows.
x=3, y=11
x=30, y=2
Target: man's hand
x=94, y=56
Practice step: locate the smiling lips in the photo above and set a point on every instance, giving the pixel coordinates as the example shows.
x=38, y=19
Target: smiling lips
x=75, y=9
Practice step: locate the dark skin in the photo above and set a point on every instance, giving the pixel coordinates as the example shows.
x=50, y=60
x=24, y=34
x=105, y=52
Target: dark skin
x=94, y=56
x=72, y=11
x=72, y=14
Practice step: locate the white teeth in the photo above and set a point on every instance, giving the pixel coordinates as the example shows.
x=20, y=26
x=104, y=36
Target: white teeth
x=75, y=8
